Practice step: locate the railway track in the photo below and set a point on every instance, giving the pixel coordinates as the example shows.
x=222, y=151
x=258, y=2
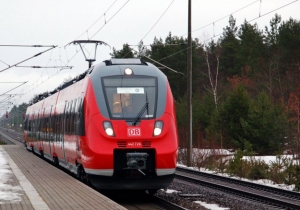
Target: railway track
x=271, y=196
x=137, y=200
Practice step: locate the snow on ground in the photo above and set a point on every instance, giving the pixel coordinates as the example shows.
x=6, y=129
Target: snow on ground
x=267, y=159
x=210, y=206
x=172, y=191
x=8, y=193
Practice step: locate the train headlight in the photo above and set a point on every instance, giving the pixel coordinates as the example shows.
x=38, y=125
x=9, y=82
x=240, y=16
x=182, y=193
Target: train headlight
x=108, y=128
x=158, y=128
x=128, y=71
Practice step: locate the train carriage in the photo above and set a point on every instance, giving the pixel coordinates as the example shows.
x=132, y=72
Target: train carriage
x=113, y=126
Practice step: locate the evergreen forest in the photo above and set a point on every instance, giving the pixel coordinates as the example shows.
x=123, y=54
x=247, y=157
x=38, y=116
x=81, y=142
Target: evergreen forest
x=246, y=85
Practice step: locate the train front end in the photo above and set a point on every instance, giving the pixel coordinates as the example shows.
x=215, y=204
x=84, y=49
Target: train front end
x=131, y=134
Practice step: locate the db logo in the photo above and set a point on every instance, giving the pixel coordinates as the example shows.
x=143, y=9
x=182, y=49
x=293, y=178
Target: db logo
x=134, y=131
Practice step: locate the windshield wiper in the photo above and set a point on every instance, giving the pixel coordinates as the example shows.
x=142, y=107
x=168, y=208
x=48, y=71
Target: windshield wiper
x=144, y=108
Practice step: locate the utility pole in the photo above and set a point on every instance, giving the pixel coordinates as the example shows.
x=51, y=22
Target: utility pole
x=189, y=87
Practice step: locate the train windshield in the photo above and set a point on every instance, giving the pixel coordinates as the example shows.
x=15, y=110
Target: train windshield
x=129, y=97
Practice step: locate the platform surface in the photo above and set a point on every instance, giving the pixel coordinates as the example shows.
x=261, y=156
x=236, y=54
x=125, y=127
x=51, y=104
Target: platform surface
x=28, y=182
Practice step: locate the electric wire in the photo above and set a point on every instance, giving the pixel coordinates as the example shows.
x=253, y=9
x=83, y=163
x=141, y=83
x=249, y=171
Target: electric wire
x=69, y=60
x=27, y=59
x=205, y=25
x=102, y=27
x=154, y=24
x=158, y=20
x=222, y=33
x=223, y=17
x=13, y=88
x=4, y=63
x=153, y=27
x=11, y=45
x=97, y=19
x=110, y=18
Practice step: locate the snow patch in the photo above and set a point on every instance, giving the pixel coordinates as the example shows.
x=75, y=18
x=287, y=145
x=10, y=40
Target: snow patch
x=210, y=206
x=8, y=193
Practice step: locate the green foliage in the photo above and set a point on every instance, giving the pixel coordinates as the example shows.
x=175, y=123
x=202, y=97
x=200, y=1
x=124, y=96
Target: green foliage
x=257, y=72
x=251, y=49
x=258, y=170
x=125, y=52
x=265, y=126
x=272, y=35
x=283, y=170
x=296, y=173
x=237, y=166
x=176, y=47
x=230, y=47
x=289, y=41
x=277, y=170
x=2, y=142
x=15, y=119
x=234, y=111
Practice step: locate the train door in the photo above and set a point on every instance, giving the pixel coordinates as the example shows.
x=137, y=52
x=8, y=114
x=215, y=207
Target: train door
x=43, y=128
x=58, y=138
x=65, y=126
x=49, y=131
x=37, y=130
x=77, y=122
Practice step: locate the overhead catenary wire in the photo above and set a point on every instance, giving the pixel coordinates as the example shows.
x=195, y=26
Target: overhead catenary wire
x=223, y=17
x=110, y=19
x=13, y=88
x=86, y=31
x=47, y=67
x=196, y=29
x=68, y=60
x=202, y=26
x=102, y=27
x=52, y=47
x=222, y=33
x=158, y=20
x=13, y=45
x=154, y=24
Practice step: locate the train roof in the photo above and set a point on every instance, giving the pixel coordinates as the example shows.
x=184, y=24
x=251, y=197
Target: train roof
x=125, y=61
x=111, y=62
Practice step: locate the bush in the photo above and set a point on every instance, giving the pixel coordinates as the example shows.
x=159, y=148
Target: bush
x=237, y=166
x=258, y=170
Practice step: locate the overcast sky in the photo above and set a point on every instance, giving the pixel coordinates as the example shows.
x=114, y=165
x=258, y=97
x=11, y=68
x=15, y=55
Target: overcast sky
x=116, y=22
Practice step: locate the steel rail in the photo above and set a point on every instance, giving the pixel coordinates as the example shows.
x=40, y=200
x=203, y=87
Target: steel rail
x=166, y=204
x=276, y=200
x=278, y=191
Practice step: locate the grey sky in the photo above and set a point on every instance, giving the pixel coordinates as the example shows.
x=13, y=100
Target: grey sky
x=57, y=22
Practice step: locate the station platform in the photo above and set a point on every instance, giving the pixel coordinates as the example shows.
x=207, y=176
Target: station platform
x=27, y=182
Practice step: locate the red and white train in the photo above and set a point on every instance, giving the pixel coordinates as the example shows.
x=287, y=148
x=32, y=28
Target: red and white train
x=113, y=126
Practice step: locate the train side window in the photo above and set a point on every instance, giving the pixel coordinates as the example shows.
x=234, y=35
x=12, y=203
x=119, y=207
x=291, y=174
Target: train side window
x=79, y=117
x=58, y=127
x=61, y=124
x=70, y=117
x=66, y=118
x=33, y=128
x=46, y=128
x=40, y=128
x=26, y=123
x=73, y=121
x=29, y=125
x=51, y=128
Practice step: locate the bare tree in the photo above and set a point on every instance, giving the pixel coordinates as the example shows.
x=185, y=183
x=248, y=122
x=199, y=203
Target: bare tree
x=212, y=55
